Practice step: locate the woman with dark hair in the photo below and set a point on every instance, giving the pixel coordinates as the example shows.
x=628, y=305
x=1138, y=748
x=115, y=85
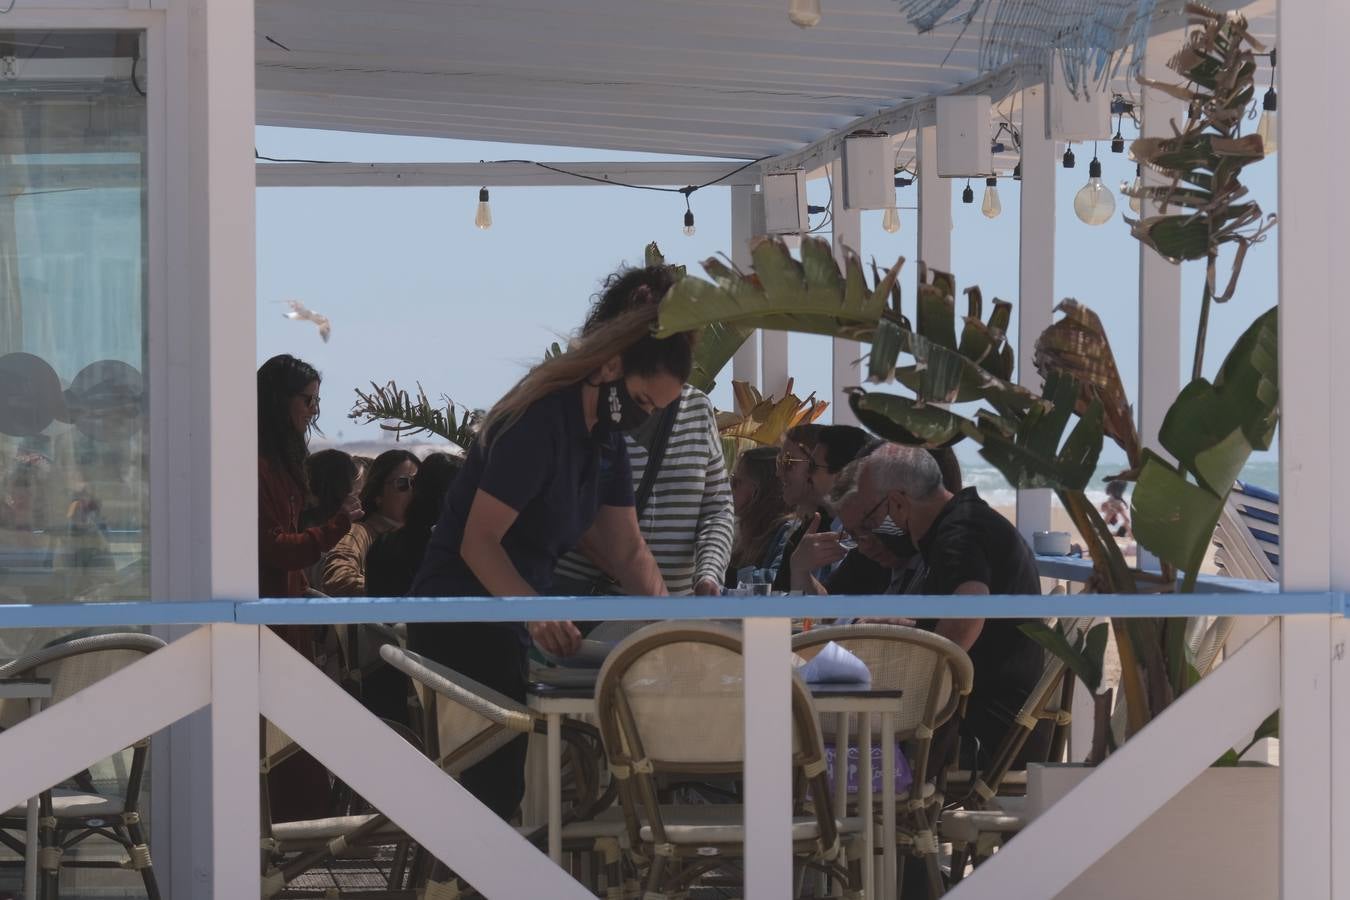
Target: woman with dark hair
x=288, y=405
x=549, y=472
x=384, y=499
x=395, y=556
x=332, y=478
x=763, y=519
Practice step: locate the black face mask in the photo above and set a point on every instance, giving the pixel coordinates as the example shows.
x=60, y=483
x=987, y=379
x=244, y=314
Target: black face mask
x=616, y=410
x=895, y=539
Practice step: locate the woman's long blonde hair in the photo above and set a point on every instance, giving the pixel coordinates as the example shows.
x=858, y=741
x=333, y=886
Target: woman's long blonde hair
x=634, y=299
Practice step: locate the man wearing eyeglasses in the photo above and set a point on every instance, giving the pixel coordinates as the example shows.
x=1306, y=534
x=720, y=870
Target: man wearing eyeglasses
x=966, y=548
x=814, y=554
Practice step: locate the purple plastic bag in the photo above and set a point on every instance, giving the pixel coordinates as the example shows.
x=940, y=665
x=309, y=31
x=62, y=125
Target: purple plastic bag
x=903, y=776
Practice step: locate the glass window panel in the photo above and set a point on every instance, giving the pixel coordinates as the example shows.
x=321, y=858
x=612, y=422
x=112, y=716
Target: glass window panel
x=74, y=477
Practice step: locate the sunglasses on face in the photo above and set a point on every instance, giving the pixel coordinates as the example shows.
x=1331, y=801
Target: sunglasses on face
x=404, y=483
x=787, y=462
x=311, y=400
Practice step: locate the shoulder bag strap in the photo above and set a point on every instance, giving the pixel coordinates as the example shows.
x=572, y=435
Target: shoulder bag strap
x=655, y=456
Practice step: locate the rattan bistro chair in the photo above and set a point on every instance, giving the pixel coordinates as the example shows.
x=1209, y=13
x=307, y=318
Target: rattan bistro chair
x=670, y=699
x=990, y=817
x=935, y=676
x=71, y=816
x=465, y=722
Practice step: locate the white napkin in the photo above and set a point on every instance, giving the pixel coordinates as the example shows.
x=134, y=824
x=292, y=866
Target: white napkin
x=835, y=665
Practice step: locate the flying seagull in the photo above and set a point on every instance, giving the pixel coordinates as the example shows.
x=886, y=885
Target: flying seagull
x=300, y=312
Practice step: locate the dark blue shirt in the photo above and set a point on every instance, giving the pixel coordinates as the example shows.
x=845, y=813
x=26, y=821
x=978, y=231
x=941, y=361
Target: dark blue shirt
x=552, y=472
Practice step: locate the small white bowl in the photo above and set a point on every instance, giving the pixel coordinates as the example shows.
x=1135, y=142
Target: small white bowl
x=1050, y=543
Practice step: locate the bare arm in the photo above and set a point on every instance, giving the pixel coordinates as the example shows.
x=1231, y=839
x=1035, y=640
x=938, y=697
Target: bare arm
x=964, y=632
x=816, y=550
x=615, y=543
x=481, y=548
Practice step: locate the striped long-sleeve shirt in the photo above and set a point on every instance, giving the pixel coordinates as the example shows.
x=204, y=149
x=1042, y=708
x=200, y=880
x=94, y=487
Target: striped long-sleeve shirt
x=688, y=522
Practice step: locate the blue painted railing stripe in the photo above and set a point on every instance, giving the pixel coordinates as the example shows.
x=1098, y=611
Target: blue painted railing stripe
x=337, y=610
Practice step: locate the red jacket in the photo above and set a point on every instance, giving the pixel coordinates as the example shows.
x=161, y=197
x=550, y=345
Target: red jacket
x=284, y=551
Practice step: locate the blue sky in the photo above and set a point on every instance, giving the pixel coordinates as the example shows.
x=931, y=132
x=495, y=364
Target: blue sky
x=417, y=294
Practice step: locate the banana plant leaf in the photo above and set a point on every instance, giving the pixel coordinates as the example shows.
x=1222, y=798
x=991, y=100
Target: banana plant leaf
x=1033, y=457
x=717, y=344
x=1077, y=346
x=762, y=421
x=986, y=344
x=812, y=296
x=1085, y=656
x=942, y=373
x=904, y=421
x=1211, y=430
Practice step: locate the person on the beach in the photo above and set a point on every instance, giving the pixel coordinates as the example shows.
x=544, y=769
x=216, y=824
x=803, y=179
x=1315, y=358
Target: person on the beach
x=1115, y=510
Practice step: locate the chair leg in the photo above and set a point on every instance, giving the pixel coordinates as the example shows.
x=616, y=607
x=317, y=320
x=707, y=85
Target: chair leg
x=935, y=886
x=49, y=850
x=958, y=864
x=139, y=851
x=656, y=876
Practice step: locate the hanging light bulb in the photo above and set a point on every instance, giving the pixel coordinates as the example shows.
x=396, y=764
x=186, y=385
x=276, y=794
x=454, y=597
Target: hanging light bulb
x=1118, y=142
x=688, y=223
x=1269, y=126
x=1068, y=160
x=1093, y=203
x=1132, y=190
x=483, y=216
x=890, y=220
x=968, y=195
x=991, y=206
x=804, y=13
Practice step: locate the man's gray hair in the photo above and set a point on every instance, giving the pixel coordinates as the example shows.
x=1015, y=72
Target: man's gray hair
x=910, y=470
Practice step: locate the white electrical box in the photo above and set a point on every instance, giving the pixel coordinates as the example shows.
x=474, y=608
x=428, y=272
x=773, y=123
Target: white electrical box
x=1086, y=117
x=785, y=203
x=869, y=171
x=963, y=137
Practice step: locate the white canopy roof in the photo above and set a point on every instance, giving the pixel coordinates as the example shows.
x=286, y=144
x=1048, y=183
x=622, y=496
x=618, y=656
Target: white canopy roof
x=720, y=78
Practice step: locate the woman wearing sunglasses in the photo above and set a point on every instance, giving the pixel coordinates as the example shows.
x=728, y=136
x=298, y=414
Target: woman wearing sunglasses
x=384, y=497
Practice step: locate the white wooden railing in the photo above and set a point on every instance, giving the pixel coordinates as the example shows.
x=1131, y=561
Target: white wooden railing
x=239, y=669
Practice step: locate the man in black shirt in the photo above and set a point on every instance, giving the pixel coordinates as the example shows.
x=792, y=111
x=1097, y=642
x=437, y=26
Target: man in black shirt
x=967, y=548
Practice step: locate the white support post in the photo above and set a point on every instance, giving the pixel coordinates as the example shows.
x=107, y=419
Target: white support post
x=745, y=364
x=1036, y=274
x=1160, y=374
x=1314, y=437
x=847, y=231
x=935, y=206
x=209, y=448
x=768, y=749
x=774, y=363
x=235, y=751
x=1340, y=738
